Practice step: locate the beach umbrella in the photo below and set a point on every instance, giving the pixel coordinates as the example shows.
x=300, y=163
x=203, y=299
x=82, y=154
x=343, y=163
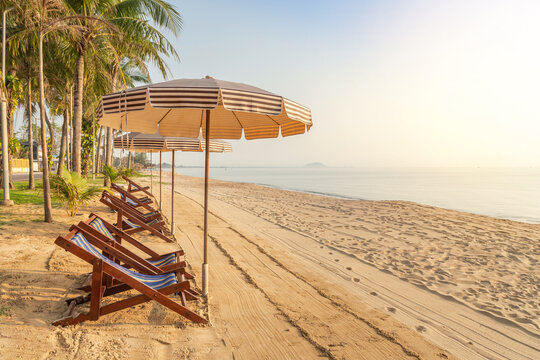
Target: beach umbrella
x=151, y=143
x=221, y=109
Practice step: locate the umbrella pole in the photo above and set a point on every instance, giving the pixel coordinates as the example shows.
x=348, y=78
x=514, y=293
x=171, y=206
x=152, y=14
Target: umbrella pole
x=160, y=181
x=172, y=195
x=151, y=175
x=205, y=231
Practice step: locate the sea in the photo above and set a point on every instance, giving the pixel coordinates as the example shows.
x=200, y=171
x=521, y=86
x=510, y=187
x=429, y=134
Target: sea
x=508, y=193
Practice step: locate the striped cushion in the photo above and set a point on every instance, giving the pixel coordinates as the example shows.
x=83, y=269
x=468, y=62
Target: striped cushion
x=136, y=226
x=100, y=226
x=166, y=260
x=149, y=214
x=156, y=282
x=133, y=202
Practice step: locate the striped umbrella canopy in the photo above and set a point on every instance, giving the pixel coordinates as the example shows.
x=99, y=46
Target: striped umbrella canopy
x=221, y=109
x=180, y=108
x=140, y=142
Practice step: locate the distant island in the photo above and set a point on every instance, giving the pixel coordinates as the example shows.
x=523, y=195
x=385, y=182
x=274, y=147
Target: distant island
x=315, y=165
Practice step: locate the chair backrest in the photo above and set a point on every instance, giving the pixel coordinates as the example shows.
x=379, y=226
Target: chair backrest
x=154, y=281
x=95, y=223
x=137, y=187
x=81, y=242
x=124, y=203
x=100, y=226
x=116, y=204
x=129, y=198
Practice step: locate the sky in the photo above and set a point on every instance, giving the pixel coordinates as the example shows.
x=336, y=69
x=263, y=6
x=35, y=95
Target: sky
x=389, y=83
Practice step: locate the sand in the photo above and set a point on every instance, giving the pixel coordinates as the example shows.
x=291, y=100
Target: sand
x=292, y=276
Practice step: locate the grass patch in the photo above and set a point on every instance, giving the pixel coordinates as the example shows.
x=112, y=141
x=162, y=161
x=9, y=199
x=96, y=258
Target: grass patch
x=22, y=195
x=98, y=181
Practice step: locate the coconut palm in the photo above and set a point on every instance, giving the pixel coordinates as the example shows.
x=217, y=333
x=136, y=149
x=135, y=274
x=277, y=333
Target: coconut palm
x=113, y=174
x=31, y=184
x=37, y=19
x=133, y=19
x=60, y=79
x=73, y=190
x=96, y=46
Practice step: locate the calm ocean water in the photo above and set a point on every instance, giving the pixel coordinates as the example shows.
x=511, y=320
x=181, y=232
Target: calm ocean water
x=510, y=193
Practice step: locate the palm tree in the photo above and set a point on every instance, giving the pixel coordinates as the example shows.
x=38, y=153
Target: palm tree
x=132, y=19
x=21, y=68
x=46, y=10
x=38, y=18
x=60, y=80
x=73, y=191
x=97, y=46
x=29, y=105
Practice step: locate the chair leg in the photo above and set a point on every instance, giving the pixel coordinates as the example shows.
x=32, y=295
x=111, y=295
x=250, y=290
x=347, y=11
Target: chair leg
x=97, y=289
x=139, y=299
x=95, y=299
x=113, y=290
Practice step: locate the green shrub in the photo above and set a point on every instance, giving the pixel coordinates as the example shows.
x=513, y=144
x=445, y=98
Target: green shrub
x=73, y=190
x=114, y=174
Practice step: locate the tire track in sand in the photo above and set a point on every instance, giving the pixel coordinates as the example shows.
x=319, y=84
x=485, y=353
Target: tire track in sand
x=325, y=323
x=249, y=325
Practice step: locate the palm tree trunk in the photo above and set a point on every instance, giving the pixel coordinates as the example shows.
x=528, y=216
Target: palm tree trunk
x=108, y=152
x=109, y=139
x=77, y=119
x=31, y=184
x=69, y=137
x=63, y=144
x=11, y=134
x=46, y=184
x=51, y=133
x=98, y=150
x=10, y=155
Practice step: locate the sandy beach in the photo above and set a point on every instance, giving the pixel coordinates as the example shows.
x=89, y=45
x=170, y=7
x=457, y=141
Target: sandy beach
x=292, y=276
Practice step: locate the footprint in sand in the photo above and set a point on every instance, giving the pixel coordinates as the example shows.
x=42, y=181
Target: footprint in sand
x=349, y=268
x=391, y=309
x=356, y=279
x=420, y=328
x=336, y=260
x=373, y=293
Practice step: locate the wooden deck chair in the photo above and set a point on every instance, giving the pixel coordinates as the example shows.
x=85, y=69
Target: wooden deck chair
x=145, y=215
x=155, y=286
x=134, y=187
x=132, y=221
x=107, y=233
x=131, y=199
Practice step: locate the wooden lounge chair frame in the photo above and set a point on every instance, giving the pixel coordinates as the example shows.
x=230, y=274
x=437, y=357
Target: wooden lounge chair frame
x=116, y=243
x=137, y=202
x=127, y=282
x=123, y=209
x=154, y=214
x=134, y=187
